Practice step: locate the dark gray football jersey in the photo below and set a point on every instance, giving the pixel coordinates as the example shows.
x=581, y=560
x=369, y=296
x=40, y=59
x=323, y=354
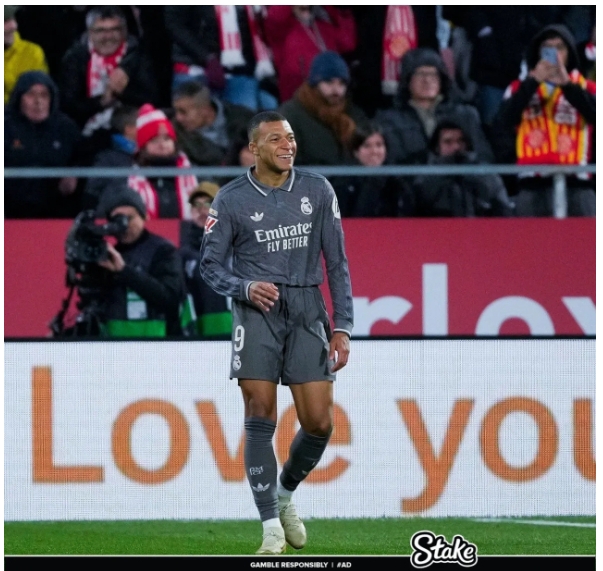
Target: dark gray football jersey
x=256, y=232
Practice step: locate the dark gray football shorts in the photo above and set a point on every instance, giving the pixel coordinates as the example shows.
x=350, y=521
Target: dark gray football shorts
x=288, y=344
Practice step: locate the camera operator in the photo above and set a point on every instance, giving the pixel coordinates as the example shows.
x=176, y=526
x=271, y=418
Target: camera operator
x=458, y=195
x=145, y=288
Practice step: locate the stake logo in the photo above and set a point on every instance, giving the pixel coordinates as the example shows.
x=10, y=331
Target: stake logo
x=429, y=549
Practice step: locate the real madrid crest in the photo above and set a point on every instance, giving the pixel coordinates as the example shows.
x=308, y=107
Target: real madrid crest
x=306, y=207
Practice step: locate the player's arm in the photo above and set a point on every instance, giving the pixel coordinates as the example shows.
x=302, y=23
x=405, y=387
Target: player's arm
x=336, y=263
x=216, y=251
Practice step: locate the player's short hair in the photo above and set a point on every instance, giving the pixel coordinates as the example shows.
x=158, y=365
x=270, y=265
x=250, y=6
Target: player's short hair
x=195, y=90
x=262, y=117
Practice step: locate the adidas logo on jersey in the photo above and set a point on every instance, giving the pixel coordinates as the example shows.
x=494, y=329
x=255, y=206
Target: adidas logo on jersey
x=257, y=217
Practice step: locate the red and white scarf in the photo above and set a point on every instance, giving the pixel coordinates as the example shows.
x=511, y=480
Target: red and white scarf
x=231, y=54
x=185, y=184
x=399, y=36
x=100, y=68
x=97, y=76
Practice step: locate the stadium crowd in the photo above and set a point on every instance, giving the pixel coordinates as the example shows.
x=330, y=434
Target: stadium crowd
x=361, y=85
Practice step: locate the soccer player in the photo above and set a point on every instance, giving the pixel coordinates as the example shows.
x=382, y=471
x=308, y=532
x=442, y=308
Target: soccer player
x=263, y=241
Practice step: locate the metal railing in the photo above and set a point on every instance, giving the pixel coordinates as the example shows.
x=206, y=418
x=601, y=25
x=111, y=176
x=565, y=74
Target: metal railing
x=558, y=173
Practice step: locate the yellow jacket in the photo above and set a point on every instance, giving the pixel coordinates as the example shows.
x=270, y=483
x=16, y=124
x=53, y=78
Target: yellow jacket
x=22, y=56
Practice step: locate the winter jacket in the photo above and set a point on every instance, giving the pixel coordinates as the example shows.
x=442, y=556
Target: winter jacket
x=195, y=36
x=293, y=48
x=118, y=155
x=211, y=317
x=316, y=142
x=460, y=195
x=519, y=94
x=407, y=140
x=73, y=84
x=50, y=143
x=144, y=299
x=203, y=152
x=22, y=56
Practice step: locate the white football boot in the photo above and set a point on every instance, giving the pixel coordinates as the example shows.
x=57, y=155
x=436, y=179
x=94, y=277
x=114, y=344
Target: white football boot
x=273, y=542
x=295, y=530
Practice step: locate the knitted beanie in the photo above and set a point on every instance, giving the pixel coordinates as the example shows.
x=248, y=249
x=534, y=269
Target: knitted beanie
x=150, y=123
x=120, y=195
x=326, y=66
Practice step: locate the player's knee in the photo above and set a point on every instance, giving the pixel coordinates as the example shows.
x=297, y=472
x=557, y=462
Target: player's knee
x=259, y=408
x=320, y=428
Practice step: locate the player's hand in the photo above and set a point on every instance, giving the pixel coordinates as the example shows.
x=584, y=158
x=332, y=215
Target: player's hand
x=339, y=350
x=115, y=263
x=263, y=294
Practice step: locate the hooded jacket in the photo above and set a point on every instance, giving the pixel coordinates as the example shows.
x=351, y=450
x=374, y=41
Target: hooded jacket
x=50, y=143
x=518, y=95
x=458, y=195
x=407, y=140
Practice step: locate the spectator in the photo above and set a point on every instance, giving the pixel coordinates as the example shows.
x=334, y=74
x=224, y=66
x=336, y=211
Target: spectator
x=120, y=153
x=297, y=34
x=19, y=55
x=385, y=34
x=223, y=47
x=500, y=37
x=205, y=125
x=588, y=56
x=105, y=67
x=549, y=118
x=457, y=195
x=321, y=115
x=239, y=154
x=38, y=134
x=163, y=197
x=142, y=281
x=423, y=99
x=370, y=196
x=211, y=316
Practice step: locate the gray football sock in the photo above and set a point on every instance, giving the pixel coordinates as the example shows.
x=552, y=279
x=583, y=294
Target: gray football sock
x=260, y=465
x=304, y=453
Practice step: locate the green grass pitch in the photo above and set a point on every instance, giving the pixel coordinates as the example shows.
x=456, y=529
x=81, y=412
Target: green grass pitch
x=388, y=536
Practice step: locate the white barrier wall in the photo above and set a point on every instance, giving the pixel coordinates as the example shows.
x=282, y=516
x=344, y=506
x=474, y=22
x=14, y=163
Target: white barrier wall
x=132, y=430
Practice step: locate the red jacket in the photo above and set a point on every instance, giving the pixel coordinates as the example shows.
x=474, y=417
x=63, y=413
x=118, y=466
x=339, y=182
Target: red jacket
x=294, y=48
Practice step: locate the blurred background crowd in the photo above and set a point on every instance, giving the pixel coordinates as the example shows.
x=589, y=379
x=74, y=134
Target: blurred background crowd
x=174, y=86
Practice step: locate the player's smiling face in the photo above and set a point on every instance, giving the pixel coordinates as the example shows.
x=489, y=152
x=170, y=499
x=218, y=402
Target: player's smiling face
x=275, y=146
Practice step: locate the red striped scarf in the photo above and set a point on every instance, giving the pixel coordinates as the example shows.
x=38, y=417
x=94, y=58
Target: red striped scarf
x=399, y=36
x=184, y=186
x=100, y=68
x=231, y=54
x=551, y=129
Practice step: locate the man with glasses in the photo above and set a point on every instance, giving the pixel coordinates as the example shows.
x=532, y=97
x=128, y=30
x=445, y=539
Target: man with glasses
x=425, y=96
x=106, y=67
